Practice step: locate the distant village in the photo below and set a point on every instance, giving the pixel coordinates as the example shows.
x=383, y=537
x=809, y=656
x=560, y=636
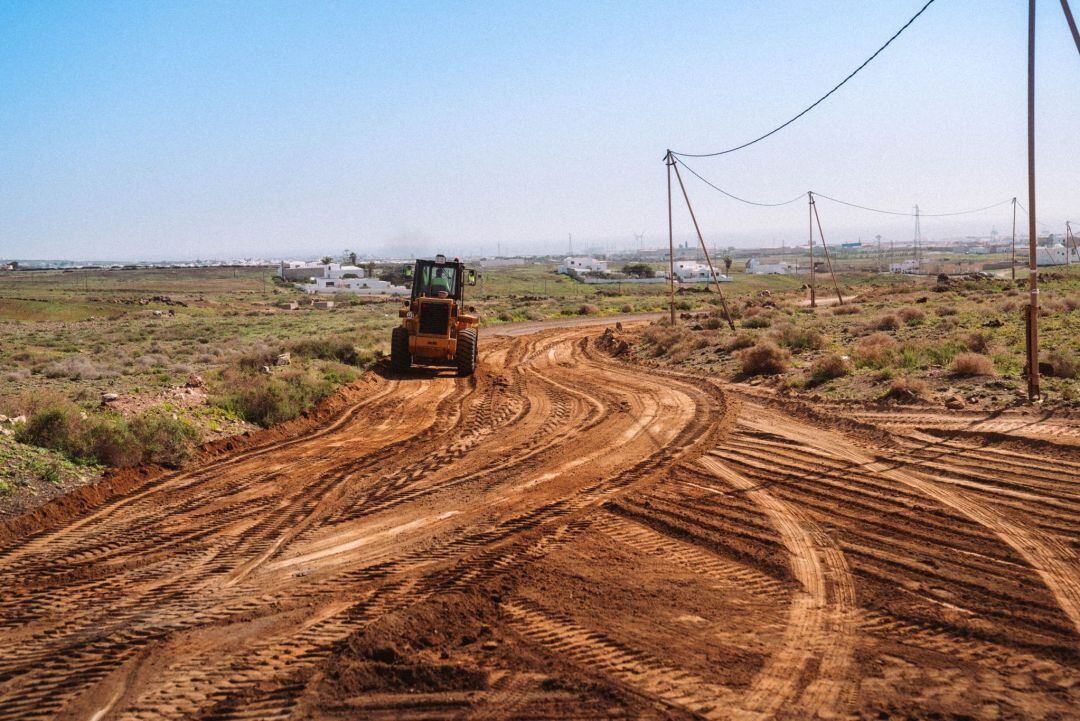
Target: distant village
x=355, y=274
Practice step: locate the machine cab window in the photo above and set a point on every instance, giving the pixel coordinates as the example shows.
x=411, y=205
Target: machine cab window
x=437, y=281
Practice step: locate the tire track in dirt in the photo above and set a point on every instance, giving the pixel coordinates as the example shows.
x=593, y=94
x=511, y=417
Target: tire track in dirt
x=821, y=620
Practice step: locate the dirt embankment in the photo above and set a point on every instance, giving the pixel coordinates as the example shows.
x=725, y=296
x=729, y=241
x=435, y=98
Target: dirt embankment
x=565, y=535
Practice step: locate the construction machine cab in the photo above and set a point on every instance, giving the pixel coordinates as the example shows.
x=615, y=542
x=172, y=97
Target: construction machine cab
x=434, y=330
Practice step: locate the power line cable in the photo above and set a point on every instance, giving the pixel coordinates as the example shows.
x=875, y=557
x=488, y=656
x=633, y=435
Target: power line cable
x=735, y=197
x=911, y=215
x=819, y=100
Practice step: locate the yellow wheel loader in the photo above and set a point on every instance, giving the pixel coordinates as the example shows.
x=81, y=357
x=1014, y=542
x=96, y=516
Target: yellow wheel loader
x=434, y=329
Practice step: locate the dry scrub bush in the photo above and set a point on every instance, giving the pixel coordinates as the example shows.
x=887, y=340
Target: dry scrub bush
x=828, y=367
x=756, y=321
x=800, y=339
x=876, y=351
x=588, y=309
x=905, y=389
x=977, y=342
x=846, y=309
x=765, y=358
x=662, y=338
x=886, y=322
x=1072, y=303
x=739, y=341
x=911, y=316
x=77, y=368
x=1062, y=365
x=946, y=310
x=972, y=364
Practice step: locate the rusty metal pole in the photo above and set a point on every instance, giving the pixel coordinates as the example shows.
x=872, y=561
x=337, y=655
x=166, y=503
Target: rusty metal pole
x=1033, y=261
x=671, y=237
x=813, y=292
x=828, y=259
x=701, y=239
x=1013, y=263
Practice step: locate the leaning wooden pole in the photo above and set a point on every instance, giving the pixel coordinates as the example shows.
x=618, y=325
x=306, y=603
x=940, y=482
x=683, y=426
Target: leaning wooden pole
x=1012, y=263
x=828, y=258
x=701, y=239
x=1033, y=261
x=669, y=160
x=1072, y=23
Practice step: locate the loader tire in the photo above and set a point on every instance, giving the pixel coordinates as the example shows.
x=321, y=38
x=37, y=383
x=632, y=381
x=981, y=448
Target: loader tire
x=400, y=358
x=466, y=352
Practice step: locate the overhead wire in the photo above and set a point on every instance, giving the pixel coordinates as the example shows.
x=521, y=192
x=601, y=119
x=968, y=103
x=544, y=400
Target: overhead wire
x=822, y=196
x=717, y=188
x=820, y=100
x=909, y=214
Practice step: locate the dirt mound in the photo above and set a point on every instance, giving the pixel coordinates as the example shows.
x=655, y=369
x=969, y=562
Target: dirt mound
x=428, y=647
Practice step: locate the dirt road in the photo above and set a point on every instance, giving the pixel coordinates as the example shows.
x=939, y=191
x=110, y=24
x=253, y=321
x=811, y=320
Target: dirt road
x=566, y=536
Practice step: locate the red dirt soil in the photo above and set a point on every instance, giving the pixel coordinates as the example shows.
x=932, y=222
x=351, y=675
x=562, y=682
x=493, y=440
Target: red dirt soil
x=563, y=536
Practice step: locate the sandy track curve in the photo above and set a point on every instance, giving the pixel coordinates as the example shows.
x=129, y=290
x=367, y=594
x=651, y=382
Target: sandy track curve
x=563, y=535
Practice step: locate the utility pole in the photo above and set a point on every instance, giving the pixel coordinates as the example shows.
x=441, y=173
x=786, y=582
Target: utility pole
x=670, y=161
x=1070, y=242
x=570, y=240
x=1012, y=263
x=813, y=297
x=880, y=257
x=1033, y=278
x=701, y=239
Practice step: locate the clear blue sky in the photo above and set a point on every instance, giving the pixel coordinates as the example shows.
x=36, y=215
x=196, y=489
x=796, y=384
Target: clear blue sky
x=211, y=129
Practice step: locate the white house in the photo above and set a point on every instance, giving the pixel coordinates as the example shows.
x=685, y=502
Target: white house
x=756, y=267
x=572, y=265
x=688, y=271
x=337, y=278
x=1055, y=255
x=907, y=266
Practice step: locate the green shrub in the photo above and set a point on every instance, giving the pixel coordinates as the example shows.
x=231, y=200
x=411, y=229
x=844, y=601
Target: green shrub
x=164, y=438
x=109, y=440
x=57, y=427
x=266, y=399
x=327, y=348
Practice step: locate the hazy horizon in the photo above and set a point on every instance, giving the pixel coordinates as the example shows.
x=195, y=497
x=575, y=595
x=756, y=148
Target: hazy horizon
x=183, y=131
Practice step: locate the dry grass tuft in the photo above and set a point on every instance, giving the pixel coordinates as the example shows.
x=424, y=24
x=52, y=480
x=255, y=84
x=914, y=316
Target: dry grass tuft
x=765, y=358
x=876, y=351
x=1062, y=365
x=973, y=364
x=905, y=389
x=828, y=367
x=911, y=316
x=889, y=321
